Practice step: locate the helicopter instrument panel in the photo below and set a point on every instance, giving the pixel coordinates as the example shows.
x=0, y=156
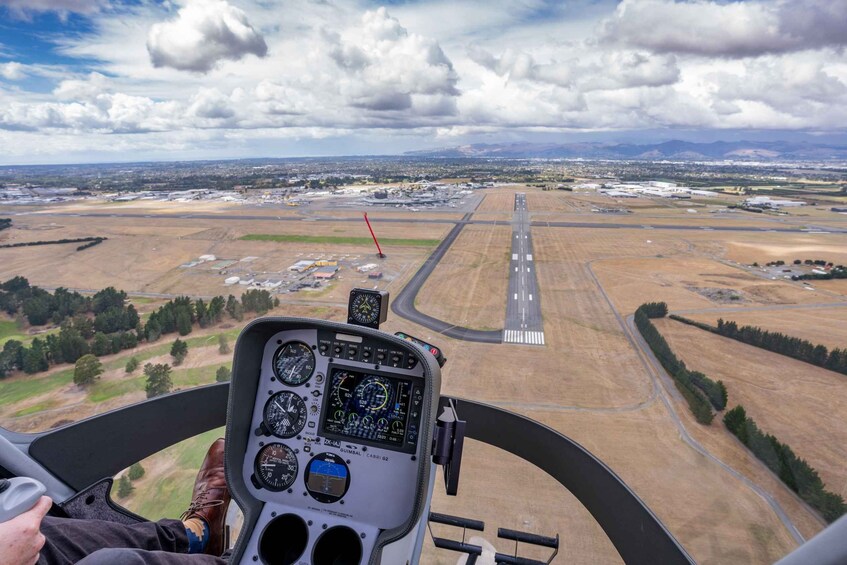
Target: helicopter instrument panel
x=339, y=417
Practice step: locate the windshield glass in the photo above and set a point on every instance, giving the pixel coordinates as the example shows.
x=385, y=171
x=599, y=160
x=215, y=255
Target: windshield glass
x=624, y=220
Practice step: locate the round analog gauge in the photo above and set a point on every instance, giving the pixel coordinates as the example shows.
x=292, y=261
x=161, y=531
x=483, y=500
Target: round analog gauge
x=285, y=414
x=294, y=363
x=374, y=394
x=365, y=308
x=276, y=467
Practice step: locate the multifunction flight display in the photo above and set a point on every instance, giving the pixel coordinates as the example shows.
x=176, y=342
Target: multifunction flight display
x=377, y=408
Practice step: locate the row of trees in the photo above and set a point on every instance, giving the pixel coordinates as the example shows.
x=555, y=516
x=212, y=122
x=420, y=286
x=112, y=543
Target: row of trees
x=700, y=392
x=798, y=475
x=801, y=349
x=837, y=272
x=111, y=329
x=104, y=323
x=96, y=241
x=111, y=313
x=54, y=242
x=180, y=314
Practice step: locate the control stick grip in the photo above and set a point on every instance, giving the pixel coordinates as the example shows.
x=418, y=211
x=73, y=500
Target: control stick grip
x=18, y=495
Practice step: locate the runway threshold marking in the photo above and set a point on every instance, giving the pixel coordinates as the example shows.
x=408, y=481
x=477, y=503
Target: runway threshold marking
x=523, y=337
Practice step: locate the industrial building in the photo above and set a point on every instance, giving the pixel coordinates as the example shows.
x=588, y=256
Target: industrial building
x=768, y=202
x=326, y=273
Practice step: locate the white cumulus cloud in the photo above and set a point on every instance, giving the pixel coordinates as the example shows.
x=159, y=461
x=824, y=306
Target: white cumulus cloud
x=385, y=68
x=12, y=71
x=204, y=33
x=729, y=29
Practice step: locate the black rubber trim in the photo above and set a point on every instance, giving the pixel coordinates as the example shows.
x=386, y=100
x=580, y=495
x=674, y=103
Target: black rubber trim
x=82, y=453
x=633, y=529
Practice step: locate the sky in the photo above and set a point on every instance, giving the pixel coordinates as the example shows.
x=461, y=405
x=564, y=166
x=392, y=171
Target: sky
x=130, y=80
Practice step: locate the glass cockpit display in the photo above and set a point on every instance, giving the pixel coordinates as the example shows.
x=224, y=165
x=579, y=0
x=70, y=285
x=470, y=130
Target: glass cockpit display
x=367, y=406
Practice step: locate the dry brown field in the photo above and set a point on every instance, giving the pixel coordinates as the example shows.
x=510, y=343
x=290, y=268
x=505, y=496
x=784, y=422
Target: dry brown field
x=468, y=287
x=749, y=248
x=499, y=200
x=144, y=254
x=802, y=405
x=674, y=280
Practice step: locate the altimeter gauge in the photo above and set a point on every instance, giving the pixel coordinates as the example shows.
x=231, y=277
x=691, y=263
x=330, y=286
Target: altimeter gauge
x=294, y=363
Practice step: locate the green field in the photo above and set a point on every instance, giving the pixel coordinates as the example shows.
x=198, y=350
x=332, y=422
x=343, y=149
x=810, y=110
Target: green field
x=182, y=378
x=15, y=391
x=337, y=240
x=167, y=495
x=9, y=330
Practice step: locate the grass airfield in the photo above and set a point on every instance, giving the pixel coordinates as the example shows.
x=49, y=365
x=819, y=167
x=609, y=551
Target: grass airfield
x=589, y=381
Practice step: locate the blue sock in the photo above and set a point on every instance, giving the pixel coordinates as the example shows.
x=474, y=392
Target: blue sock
x=198, y=534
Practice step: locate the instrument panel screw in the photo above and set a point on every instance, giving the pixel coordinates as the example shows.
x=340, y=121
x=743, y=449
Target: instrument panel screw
x=273, y=514
x=362, y=535
x=323, y=527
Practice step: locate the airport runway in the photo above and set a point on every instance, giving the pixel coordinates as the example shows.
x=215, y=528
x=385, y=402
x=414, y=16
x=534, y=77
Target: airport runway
x=523, y=301
x=404, y=303
x=419, y=220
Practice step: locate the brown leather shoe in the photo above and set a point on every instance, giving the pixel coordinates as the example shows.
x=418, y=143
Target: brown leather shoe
x=211, y=497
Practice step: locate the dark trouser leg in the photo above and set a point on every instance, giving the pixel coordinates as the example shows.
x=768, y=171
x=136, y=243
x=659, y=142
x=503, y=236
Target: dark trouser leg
x=142, y=557
x=68, y=541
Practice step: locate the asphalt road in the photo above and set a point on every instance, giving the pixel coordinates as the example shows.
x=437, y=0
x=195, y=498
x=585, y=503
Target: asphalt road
x=404, y=303
x=523, y=301
x=419, y=220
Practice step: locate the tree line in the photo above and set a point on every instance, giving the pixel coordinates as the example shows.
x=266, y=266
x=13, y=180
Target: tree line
x=180, y=314
x=800, y=349
x=796, y=473
x=57, y=242
x=836, y=272
x=97, y=241
x=99, y=325
x=700, y=392
x=104, y=323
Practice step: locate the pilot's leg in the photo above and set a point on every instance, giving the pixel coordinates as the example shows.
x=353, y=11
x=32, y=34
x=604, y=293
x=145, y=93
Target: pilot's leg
x=199, y=532
x=114, y=556
x=68, y=541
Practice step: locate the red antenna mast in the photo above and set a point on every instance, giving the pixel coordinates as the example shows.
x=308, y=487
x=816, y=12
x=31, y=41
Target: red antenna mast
x=380, y=254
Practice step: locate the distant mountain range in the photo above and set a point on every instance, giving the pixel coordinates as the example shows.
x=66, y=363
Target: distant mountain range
x=673, y=150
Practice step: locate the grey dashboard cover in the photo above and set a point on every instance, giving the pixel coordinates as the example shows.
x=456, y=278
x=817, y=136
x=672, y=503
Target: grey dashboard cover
x=246, y=372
